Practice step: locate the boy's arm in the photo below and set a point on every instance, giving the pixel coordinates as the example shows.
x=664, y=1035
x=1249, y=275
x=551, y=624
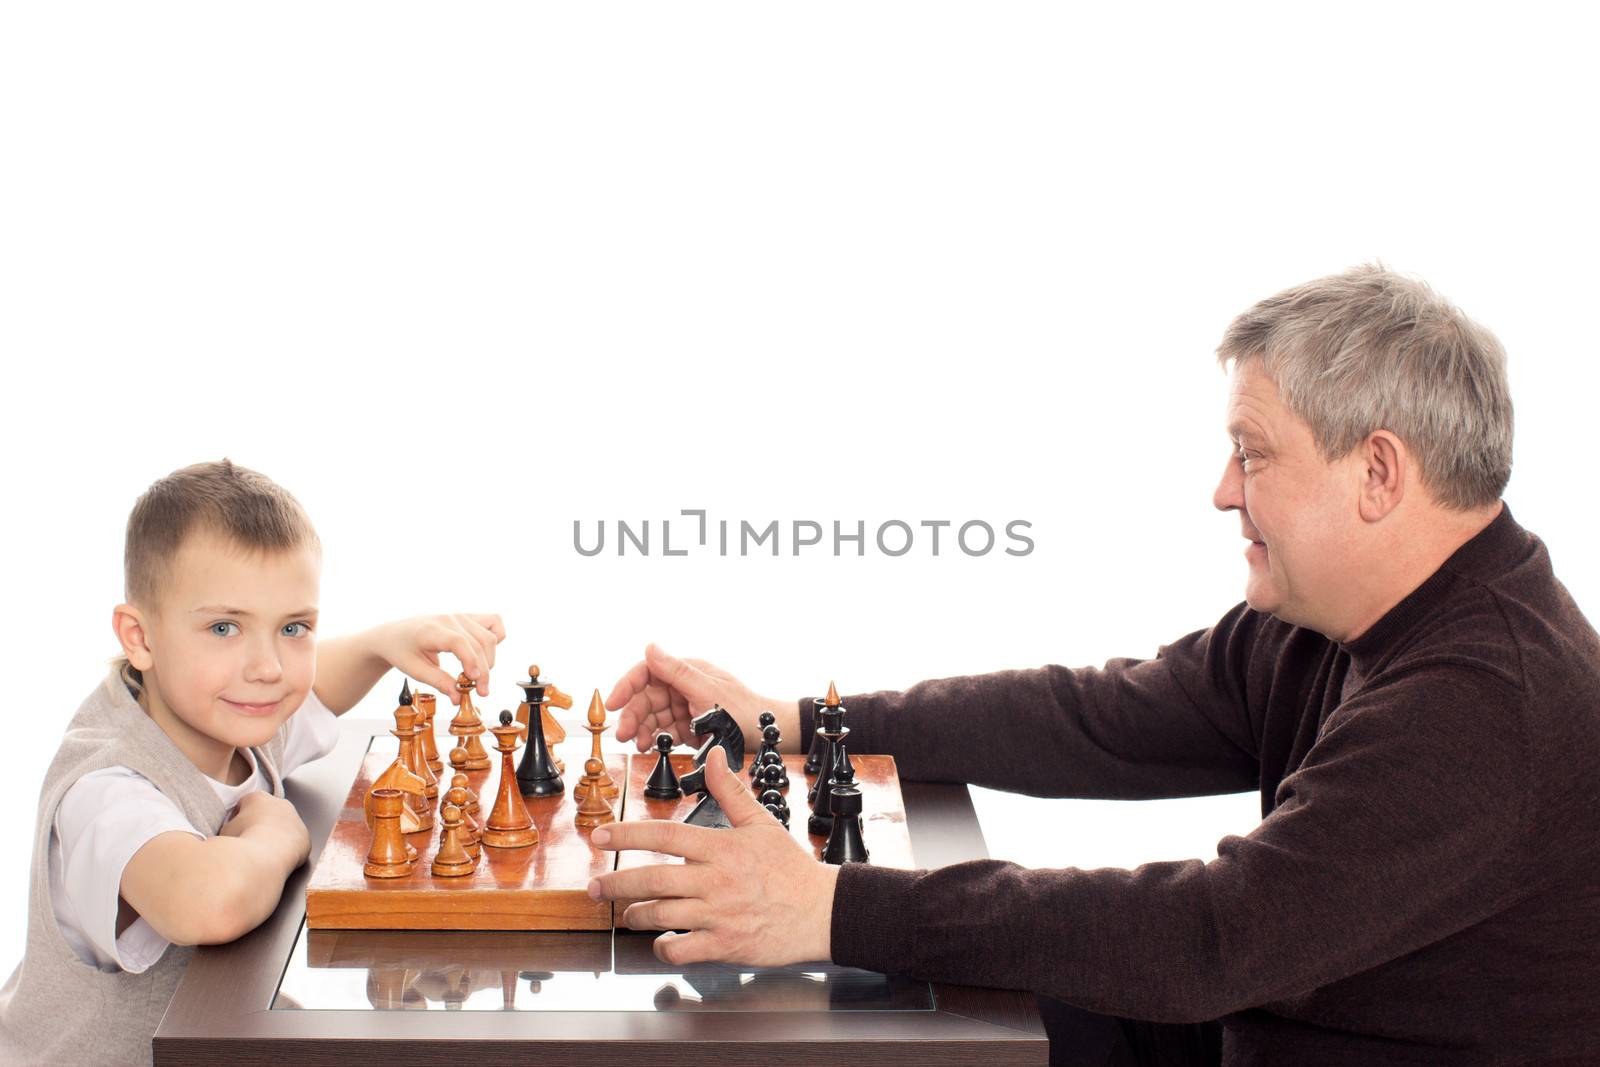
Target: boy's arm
x=201, y=892
x=348, y=667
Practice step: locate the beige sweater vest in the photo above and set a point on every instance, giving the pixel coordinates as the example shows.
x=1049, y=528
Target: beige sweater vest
x=56, y=1009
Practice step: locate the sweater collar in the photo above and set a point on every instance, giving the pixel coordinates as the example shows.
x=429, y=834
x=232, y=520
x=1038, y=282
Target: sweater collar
x=1490, y=552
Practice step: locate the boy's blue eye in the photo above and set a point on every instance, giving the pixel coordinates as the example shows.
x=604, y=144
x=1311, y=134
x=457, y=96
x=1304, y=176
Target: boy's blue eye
x=221, y=628
x=291, y=629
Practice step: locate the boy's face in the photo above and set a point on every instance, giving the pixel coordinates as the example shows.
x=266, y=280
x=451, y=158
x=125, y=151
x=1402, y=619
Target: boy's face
x=231, y=642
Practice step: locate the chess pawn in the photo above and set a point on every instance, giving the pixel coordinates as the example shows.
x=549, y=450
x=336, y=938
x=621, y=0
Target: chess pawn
x=452, y=860
x=417, y=756
x=427, y=706
x=460, y=781
x=388, y=856
x=815, y=755
x=596, y=726
x=774, y=775
x=663, y=783
x=768, y=744
x=844, y=839
x=469, y=727
x=509, y=824
x=595, y=809
x=773, y=801
x=470, y=836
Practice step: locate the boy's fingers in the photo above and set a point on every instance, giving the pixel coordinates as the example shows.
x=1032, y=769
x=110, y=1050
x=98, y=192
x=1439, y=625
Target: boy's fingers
x=482, y=636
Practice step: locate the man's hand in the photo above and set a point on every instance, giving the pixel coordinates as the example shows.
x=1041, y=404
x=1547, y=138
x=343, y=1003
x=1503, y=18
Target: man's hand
x=663, y=692
x=751, y=894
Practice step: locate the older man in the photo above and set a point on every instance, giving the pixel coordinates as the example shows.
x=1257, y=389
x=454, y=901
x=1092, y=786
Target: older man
x=1415, y=695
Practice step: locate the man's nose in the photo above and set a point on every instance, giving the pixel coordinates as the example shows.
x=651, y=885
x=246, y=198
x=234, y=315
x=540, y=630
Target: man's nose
x=1229, y=494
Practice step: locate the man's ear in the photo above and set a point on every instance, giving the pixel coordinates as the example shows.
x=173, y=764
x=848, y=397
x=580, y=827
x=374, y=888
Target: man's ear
x=128, y=622
x=1382, y=460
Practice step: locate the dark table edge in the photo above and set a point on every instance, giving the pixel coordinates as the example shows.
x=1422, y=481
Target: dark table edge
x=221, y=1009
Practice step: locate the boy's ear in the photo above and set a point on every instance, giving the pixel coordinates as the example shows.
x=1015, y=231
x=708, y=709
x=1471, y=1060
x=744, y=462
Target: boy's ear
x=128, y=622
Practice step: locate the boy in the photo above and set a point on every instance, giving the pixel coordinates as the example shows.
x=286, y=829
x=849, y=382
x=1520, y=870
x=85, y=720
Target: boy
x=162, y=823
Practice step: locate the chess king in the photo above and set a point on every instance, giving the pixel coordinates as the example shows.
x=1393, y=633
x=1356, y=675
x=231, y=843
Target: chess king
x=162, y=822
x=1406, y=683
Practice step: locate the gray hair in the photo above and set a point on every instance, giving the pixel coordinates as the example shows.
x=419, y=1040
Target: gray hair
x=1370, y=349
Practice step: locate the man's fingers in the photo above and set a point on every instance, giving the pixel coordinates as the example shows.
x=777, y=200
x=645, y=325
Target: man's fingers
x=636, y=679
x=658, y=835
x=697, y=946
x=657, y=881
x=737, y=800
x=670, y=914
x=688, y=680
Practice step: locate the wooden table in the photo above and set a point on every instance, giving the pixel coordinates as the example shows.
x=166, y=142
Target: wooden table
x=223, y=1009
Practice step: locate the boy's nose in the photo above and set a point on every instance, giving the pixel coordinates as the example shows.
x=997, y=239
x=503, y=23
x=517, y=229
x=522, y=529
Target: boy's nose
x=263, y=666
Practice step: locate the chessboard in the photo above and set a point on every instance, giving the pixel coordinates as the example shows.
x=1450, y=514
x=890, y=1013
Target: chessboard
x=536, y=887
x=883, y=811
x=428, y=844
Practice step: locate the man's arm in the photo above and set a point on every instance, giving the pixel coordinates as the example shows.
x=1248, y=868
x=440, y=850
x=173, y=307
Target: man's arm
x=1422, y=775
x=1176, y=725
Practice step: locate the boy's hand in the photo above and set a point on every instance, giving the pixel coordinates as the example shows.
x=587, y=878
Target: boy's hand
x=413, y=646
x=272, y=821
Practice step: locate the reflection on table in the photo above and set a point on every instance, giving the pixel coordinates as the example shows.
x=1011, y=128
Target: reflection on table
x=418, y=970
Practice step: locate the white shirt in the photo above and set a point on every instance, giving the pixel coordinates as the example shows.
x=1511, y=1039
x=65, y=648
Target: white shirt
x=109, y=814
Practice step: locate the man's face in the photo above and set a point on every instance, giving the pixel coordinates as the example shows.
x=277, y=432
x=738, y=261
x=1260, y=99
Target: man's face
x=232, y=640
x=1298, y=512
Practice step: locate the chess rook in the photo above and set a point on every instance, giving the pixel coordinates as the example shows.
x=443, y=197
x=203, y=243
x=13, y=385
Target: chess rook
x=427, y=706
x=845, y=844
x=388, y=857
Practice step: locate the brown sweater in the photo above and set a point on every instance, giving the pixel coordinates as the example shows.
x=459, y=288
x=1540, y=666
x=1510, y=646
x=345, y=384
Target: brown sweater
x=1424, y=885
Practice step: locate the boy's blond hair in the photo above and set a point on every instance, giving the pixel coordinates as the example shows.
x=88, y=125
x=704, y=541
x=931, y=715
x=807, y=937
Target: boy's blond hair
x=239, y=504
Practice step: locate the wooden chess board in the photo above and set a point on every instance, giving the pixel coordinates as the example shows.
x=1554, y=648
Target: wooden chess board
x=883, y=811
x=543, y=887
x=539, y=887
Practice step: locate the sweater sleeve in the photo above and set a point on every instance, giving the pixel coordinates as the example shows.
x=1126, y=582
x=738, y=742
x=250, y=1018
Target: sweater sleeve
x=1176, y=725
x=1401, y=827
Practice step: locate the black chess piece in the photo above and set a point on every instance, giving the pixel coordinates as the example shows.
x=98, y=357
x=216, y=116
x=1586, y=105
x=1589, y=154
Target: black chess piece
x=833, y=732
x=770, y=736
x=773, y=801
x=845, y=844
x=815, y=754
x=663, y=783
x=536, y=774
x=773, y=774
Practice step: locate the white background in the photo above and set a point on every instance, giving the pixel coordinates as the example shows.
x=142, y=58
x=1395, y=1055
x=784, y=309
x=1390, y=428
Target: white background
x=458, y=275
